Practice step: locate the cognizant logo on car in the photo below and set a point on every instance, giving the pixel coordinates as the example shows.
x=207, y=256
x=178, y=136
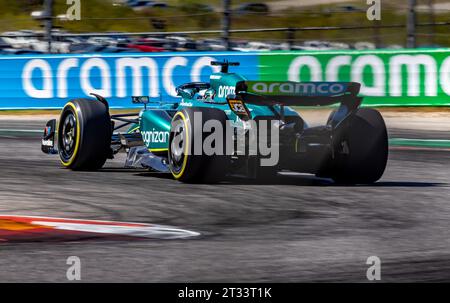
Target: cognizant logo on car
x=155, y=136
x=292, y=88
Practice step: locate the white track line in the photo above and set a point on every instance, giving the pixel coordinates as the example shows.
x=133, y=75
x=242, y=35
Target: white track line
x=8, y=130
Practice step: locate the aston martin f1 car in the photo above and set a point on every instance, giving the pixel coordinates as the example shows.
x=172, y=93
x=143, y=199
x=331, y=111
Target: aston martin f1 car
x=225, y=115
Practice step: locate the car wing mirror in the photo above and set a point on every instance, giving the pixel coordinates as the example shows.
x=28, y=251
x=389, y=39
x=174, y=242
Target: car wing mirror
x=140, y=99
x=186, y=93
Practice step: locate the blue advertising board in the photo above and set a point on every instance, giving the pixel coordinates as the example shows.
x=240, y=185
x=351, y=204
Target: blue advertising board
x=49, y=81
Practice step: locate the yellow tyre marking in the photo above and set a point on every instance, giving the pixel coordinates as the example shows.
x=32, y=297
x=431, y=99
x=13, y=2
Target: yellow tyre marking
x=186, y=147
x=157, y=149
x=133, y=129
x=77, y=143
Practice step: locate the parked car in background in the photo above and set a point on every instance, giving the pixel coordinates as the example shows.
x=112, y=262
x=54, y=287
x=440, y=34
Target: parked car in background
x=4, y=44
x=316, y=45
x=157, y=5
x=82, y=48
x=102, y=40
x=14, y=51
x=252, y=8
x=31, y=40
x=150, y=41
x=145, y=48
x=339, y=45
x=254, y=46
x=19, y=39
x=181, y=43
x=211, y=45
x=364, y=45
x=59, y=45
x=139, y=4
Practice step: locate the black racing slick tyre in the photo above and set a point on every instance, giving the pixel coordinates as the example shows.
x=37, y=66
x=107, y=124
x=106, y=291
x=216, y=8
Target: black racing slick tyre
x=192, y=164
x=84, y=134
x=363, y=151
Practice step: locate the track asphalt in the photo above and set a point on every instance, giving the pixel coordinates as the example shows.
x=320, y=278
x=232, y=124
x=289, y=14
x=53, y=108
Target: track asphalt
x=298, y=229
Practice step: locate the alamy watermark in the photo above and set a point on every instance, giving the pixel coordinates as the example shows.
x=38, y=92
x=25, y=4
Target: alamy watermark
x=374, y=10
x=373, y=273
x=213, y=137
x=73, y=273
x=73, y=13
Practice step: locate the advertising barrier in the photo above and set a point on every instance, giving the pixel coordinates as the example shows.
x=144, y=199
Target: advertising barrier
x=388, y=77
x=49, y=81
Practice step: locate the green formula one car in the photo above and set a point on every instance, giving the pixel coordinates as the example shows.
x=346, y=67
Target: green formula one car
x=229, y=126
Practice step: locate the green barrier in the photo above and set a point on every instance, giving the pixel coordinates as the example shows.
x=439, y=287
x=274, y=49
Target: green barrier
x=434, y=143
x=388, y=77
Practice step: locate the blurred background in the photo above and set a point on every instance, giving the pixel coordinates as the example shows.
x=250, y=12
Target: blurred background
x=114, y=26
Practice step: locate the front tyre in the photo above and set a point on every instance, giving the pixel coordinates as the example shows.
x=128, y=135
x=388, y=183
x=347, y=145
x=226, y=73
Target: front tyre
x=192, y=164
x=84, y=134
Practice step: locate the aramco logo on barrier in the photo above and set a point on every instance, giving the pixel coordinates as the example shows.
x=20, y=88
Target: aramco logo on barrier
x=109, y=76
x=397, y=75
x=381, y=73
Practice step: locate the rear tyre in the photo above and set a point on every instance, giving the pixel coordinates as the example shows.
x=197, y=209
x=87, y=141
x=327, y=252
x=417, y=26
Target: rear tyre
x=267, y=174
x=84, y=134
x=363, y=151
x=185, y=162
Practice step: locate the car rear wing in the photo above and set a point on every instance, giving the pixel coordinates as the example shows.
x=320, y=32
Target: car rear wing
x=298, y=93
x=290, y=93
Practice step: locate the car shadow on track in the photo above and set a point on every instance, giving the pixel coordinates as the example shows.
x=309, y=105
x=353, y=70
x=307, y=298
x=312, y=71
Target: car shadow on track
x=137, y=172
x=407, y=184
x=320, y=182
x=302, y=180
x=123, y=170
